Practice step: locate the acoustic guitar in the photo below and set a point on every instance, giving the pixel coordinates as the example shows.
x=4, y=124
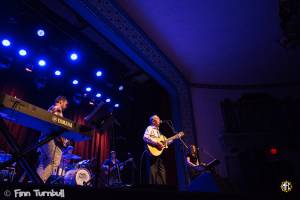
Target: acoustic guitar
x=155, y=151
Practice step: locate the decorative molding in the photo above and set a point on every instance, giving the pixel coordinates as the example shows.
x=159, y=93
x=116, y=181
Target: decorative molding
x=245, y=86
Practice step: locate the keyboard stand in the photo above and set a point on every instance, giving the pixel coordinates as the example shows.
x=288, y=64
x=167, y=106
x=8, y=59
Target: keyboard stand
x=19, y=155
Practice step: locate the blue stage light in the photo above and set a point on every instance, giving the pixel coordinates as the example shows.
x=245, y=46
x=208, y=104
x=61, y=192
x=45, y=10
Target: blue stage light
x=6, y=43
x=98, y=95
x=121, y=87
x=98, y=73
x=75, y=82
x=40, y=33
x=73, y=56
x=57, y=73
x=42, y=62
x=117, y=105
x=22, y=52
x=107, y=100
x=88, y=89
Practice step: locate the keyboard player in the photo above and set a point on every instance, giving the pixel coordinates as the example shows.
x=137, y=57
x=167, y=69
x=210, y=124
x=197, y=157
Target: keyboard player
x=51, y=152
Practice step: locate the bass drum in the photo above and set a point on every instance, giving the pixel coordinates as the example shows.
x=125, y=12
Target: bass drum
x=77, y=177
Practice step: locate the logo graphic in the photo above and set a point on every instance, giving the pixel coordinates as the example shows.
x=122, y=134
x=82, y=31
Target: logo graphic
x=286, y=186
x=7, y=193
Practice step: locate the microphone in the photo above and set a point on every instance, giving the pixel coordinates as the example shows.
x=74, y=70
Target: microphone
x=164, y=121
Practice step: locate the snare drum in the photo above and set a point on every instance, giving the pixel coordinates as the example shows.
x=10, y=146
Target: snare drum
x=77, y=176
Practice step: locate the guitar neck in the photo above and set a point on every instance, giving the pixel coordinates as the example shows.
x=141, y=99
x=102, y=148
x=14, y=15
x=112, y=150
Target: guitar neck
x=173, y=137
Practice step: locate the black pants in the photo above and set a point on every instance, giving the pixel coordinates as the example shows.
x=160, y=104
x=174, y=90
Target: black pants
x=156, y=170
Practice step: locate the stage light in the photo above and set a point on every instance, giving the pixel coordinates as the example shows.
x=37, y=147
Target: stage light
x=29, y=68
x=91, y=103
x=98, y=95
x=75, y=82
x=6, y=42
x=107, y=100
x=88, y=89
x=121, y=87
x=117, y=105
x=40, y=33
x=98, y=73
x=273, y=151
x=42, y=62
x=57, y=73
x=73, y=56
x=22, y=52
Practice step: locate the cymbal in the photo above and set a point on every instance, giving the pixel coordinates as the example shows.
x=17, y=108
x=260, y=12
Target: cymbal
x=71, y=156
x=5, y=157
x=68, y=148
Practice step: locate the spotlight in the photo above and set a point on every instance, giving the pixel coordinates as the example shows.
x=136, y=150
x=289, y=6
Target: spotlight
x=40, y=33
x=117, y=105
x=6, y=42
x=107, y=100
x=29, y=68
x=75, y=82
x=121, y=87
x=91, y=103
x=98, y=73
x=42, y=62
x=88, y=89
x=98, y=95
x=73, y=56
x=22, y=52
x=57, y=73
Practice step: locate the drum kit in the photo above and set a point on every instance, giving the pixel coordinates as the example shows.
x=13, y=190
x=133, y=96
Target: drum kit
x=71, y=173
x=7, y=174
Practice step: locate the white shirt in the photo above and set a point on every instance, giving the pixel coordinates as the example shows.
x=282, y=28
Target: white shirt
x=151, y=133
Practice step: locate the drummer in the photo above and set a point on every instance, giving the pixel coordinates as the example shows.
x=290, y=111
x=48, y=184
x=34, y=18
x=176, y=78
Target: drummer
x=66, y=162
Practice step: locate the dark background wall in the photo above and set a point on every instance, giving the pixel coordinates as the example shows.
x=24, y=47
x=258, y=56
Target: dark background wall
x=239, y=127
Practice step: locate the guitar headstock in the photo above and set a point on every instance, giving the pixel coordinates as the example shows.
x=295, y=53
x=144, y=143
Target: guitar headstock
x=130, y=159
x=180, y=134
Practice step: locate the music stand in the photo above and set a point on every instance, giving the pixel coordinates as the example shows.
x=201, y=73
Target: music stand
x=100, y=118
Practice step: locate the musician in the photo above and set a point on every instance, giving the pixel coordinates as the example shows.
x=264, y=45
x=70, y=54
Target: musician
x=156, y=168
x=51, y=152
x=129, y=172
x=112, y=169
x=194, y=165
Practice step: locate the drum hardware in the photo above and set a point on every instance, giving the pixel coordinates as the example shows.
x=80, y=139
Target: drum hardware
x=89, y=182
x=70, y=156
x=7, y=174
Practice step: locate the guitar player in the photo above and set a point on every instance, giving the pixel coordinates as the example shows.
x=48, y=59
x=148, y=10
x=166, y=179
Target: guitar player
x=51, y=152
x=112, y=168
x=156, y=169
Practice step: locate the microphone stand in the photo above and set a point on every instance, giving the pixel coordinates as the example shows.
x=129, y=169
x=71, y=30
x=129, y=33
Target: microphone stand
x=204, y=151
x=170, y=124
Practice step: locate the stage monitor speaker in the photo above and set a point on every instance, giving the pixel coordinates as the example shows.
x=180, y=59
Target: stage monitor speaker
x=205, y=182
